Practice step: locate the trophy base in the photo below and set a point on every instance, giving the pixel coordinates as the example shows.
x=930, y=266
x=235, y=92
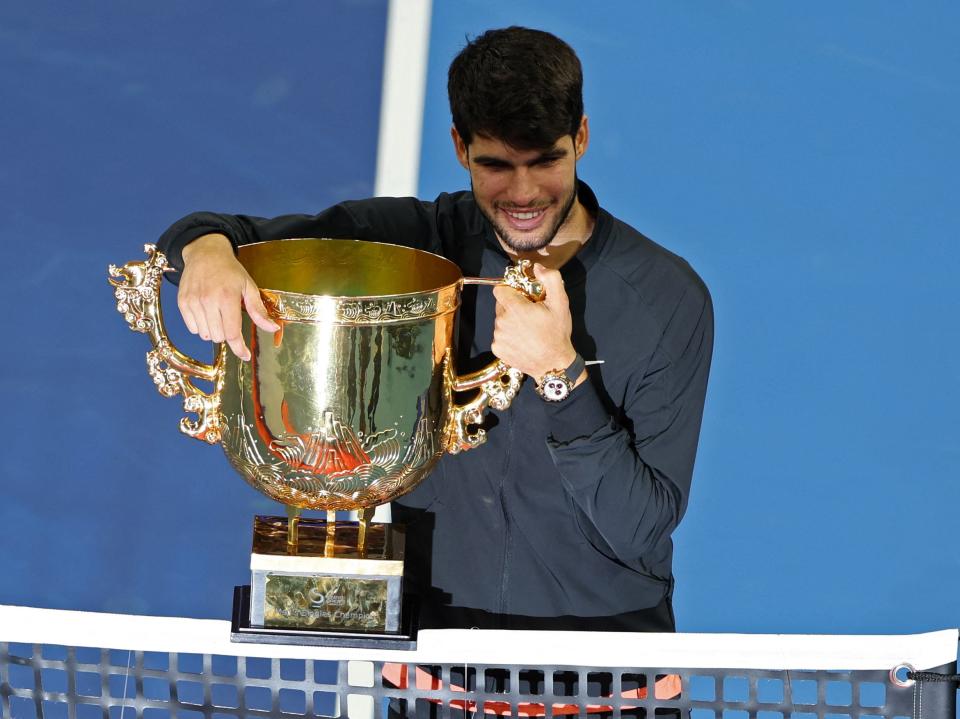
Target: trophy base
x=330, y=576
x=242, y=632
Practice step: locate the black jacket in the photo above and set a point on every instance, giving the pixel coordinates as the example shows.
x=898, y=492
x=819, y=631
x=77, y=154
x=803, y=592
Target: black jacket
x=562, y=520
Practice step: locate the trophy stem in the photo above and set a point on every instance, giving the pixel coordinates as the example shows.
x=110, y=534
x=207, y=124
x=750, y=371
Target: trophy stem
x=363, y=516
x=331, y=542
x=293, y=529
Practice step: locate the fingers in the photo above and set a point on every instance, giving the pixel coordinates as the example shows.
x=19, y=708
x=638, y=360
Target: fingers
x=216, y=317
x=211, y=313
x=212, y=288
x=187, y=313
x=232, y=326
x=507, y=296
x=256, y=309
x=192, y=312
x=213, y=310
x=553, y=288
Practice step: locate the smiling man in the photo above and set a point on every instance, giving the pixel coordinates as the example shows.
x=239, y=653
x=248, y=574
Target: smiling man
x=563, y=519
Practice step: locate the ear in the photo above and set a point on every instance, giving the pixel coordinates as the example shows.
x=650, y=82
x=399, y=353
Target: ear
x=460, y=147
x=582, y=139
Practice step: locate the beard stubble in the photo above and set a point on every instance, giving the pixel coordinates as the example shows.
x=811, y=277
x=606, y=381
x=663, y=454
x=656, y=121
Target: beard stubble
x=535, y=243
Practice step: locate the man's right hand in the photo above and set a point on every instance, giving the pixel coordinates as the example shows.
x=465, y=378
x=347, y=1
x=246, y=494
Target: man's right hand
x=213, y=287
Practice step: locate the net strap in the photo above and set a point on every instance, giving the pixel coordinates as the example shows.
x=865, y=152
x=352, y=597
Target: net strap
x=933, y=677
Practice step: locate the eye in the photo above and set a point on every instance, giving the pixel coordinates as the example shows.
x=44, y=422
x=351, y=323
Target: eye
x=493, y=165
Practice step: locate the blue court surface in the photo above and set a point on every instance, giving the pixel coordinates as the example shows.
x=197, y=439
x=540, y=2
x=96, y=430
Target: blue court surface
x=802, y=157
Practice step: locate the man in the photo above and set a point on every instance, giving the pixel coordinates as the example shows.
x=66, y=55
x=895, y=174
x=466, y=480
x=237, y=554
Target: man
x=562, y=520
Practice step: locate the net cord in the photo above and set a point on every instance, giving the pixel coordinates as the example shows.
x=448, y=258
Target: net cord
x=472, y=646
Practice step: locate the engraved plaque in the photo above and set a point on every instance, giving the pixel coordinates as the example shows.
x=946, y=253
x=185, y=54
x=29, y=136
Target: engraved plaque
x=341, y=603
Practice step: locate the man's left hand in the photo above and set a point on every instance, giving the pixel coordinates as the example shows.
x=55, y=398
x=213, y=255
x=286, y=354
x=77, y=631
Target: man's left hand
x=534, y=337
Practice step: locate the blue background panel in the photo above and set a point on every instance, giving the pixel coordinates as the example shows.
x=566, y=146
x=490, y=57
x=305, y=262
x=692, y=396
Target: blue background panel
x=118, y=118
x=802, y=157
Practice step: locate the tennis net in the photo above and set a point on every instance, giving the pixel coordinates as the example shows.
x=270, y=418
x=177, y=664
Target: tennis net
x=78, y=665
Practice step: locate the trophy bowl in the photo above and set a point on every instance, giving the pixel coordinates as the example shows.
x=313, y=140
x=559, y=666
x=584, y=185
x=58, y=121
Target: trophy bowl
x=351, y=402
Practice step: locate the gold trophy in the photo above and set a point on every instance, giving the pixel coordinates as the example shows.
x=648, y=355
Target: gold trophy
x=345, y=407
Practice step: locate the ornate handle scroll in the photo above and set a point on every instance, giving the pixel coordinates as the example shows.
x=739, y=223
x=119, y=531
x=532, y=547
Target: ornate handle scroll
x=498, y=383
x=137, y=291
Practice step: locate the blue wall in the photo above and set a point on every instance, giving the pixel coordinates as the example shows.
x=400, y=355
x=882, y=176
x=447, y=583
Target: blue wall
x=801, y=156
x=118, y=118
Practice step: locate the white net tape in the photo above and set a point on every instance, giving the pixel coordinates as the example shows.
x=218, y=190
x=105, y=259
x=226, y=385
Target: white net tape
x=78, y=665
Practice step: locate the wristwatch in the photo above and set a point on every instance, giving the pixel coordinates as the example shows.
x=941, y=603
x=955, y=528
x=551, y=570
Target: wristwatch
x=556, y=384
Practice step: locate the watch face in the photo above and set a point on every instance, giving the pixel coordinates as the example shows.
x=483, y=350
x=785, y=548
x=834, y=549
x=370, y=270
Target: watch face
x=554, y=389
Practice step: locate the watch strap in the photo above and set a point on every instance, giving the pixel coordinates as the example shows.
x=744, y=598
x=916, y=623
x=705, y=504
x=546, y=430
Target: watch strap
x=575, y=369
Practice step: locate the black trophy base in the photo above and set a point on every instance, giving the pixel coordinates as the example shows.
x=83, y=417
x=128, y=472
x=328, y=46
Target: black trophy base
x=242, y=632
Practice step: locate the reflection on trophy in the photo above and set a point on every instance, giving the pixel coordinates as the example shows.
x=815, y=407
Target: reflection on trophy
x=345, y=407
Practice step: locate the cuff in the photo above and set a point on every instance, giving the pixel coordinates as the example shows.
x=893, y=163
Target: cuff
x=173, y=241
x=578, y=416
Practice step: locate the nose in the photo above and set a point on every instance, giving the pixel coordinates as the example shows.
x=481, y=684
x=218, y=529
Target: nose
x=523, y=188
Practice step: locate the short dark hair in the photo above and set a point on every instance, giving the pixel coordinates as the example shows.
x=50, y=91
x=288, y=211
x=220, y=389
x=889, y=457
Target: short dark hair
x=518, y=85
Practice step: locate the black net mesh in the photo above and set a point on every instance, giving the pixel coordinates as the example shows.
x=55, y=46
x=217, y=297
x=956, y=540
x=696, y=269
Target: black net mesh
x=57, y=682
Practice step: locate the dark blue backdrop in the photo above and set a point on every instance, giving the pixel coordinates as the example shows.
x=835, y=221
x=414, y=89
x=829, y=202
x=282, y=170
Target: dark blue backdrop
x=119, y=118
x=802, y=157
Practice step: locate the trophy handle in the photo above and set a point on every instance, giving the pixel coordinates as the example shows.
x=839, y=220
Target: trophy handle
x=137, y=291
x=498, y=383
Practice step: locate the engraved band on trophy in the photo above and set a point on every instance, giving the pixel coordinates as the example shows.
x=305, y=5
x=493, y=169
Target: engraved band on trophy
x=348, y=405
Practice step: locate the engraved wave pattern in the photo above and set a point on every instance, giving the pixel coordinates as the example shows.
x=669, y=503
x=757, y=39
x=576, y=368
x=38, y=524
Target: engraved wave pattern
x=382, y=478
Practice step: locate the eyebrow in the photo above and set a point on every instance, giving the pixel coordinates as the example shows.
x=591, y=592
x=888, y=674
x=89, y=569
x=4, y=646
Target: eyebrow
x=493, y=161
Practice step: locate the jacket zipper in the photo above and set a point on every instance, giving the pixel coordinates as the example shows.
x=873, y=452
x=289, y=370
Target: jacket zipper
x=507, y=528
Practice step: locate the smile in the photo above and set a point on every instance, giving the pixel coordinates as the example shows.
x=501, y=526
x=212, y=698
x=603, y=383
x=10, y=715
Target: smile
x=525, y=215
x=525, y=220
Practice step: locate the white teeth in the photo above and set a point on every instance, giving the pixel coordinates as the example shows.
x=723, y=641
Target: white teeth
x=525, y=215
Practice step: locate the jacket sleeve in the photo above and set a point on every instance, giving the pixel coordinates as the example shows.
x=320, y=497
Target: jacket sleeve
x=632, y=484
x=399, y=221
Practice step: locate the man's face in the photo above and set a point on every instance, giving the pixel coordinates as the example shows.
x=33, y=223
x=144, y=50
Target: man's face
x=527, y=195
